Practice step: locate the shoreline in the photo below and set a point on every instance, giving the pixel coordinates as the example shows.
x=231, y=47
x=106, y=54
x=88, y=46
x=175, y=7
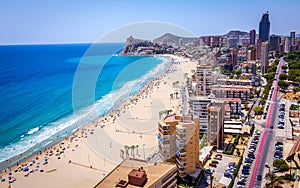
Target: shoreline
x=69, y=131
x=82, y=134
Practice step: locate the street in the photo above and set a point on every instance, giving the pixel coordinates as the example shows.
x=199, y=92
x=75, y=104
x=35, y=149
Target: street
x=267, y=135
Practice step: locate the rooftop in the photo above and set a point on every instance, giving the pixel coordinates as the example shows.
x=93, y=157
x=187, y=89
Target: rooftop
x=154, y=172
x=230, y=89
x=231, y=99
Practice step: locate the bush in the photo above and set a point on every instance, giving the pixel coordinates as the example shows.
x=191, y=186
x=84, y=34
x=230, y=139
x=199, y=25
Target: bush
x=236, y=139
x=230, y=150
x=283, y=77
x=288, y=177
x=281, y=164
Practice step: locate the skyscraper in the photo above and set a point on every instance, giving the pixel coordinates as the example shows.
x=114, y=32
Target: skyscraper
x=274, y=43
x=264, y=57
x=264, y=27
x=293, y=37
x=252, y=37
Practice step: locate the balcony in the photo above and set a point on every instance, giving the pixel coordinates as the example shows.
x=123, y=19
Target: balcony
x=181, y=169
x=164, y=127
x=181, y=162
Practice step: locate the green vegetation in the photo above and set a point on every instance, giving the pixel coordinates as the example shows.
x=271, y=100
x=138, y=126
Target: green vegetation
x=237, y=72
x=236, y=139
x=284, y=67
x=296, y=89
x=283, y=77
x=232, y=147
x=283, y=84
x=235, y=173
x=294, y=107
x=230, y=150
x=272, y=178
x=258, y=110
x=263, y=101
x=281, y=164
x=293, y=59
x=288, y=177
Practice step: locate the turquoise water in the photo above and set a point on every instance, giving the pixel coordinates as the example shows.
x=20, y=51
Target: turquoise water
x=49, y=90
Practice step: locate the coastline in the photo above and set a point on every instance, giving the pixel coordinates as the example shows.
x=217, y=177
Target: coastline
x=84, y=140
x=63, y=134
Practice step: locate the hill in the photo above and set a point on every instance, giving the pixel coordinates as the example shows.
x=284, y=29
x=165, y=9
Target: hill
x=173, y=40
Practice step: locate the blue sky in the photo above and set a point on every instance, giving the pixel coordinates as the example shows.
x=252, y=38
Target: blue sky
x=55, y=21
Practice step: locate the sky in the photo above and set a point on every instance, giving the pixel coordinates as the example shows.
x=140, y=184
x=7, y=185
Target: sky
x=79, y=21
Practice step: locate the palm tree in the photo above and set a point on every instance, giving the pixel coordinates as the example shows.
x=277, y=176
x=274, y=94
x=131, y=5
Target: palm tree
x=122, y=153
x=211, y=178
x=132, y=150
x=272, y=178
x=126, y=150
x=137, y=149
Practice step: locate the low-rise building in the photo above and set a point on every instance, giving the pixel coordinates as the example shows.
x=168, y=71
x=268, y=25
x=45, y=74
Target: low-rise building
x=133, y=173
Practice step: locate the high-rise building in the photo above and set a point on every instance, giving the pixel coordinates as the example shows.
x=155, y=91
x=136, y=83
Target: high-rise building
x=204, y=79
x=264, y=27
x=179, y=141
x=187, y=146
x=251, y=54
x=264, y=57
x=274, y=43
x=258, y=50
x=199, y=109
x=215, y=132
x=232, y=42
x=287, y=45
x=293, y=38
x=166, y=138
x=252, y=37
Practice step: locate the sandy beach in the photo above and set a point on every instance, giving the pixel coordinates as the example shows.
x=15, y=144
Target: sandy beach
x=83, y=159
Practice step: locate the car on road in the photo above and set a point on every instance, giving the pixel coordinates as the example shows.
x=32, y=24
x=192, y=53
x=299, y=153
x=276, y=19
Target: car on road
x=259, y=177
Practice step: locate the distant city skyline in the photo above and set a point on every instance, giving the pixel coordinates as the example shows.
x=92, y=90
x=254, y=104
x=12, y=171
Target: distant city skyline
x=27, y=22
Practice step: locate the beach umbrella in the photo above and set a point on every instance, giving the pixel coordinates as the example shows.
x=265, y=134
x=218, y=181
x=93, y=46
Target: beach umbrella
x=2, y=179
x=9, y=177
x=10, y=173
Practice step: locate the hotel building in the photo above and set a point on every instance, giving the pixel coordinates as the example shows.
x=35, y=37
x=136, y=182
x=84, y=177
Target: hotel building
x=215, y=131
x=204, y=79
x=183, y=133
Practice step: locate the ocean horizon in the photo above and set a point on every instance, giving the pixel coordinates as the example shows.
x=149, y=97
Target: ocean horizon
x=37, y=89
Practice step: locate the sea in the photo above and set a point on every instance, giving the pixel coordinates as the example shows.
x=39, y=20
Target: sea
x=49, y=91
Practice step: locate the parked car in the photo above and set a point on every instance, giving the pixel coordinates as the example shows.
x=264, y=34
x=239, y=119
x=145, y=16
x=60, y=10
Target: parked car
x=276, y=170
x=246, y=167
x=246, y=172
x=209, y=171
x=213, y=164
